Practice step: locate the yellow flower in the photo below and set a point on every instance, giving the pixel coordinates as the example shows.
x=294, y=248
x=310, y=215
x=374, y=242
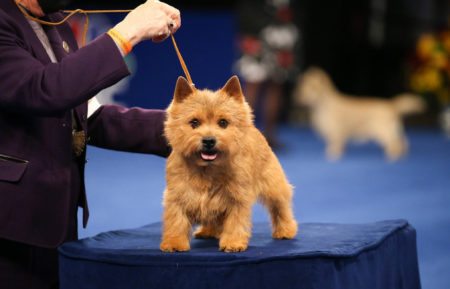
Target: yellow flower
x=444, y=96
x=426, y=79
x=418, y=81
x=425, y=45
x=439, y=59
x=445, y=35
x=433, y=79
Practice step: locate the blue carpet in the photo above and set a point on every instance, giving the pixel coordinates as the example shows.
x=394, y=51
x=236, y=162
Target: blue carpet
x=125, y=190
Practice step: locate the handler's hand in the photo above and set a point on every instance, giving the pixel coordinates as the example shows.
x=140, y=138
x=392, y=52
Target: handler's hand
x=152, y=19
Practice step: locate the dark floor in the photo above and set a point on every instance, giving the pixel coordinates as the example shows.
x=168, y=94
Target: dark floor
x=125, y=190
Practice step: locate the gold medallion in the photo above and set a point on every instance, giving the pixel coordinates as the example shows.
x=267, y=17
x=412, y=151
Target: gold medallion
x=78, y=142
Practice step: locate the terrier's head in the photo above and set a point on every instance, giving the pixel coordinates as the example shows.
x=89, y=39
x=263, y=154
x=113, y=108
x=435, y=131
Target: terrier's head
x=207, y=127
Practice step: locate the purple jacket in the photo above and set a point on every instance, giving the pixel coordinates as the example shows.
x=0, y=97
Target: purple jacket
x=36, y=124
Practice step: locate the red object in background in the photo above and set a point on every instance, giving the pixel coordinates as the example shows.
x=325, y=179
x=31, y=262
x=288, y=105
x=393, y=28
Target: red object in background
x=77, y=26
x=285, y=58
x=285, y=14
x=251, y=45
x=75, y=29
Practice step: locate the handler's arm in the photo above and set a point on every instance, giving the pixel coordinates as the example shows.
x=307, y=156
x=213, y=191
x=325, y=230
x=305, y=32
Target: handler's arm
x=29, y=87
x=128, y=129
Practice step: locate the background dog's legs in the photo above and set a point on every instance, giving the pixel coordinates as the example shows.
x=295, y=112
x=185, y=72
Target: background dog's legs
x=335, y=147
x=177, y=230
x=394, y=148
x=393, y=141
x=236, y=229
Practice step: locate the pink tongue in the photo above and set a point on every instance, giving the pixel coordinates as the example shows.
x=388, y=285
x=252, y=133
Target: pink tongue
x=209, y=157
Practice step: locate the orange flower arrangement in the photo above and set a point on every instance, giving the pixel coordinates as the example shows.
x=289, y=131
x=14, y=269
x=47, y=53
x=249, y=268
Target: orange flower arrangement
x=429, y=72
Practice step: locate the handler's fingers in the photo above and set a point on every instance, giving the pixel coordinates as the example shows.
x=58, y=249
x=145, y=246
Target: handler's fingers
x=162, y=35
x=173, y=26
x=173, y=14
x=160, y=38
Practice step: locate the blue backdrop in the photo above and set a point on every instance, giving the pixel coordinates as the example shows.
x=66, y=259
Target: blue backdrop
x=206, y=42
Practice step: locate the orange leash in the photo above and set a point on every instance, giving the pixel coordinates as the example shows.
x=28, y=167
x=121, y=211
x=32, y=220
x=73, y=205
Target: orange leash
x=85, y=13
x=183, y=65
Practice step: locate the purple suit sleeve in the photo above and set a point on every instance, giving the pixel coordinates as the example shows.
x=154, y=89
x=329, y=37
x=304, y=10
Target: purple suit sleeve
x=28, y=86
x=128, y=129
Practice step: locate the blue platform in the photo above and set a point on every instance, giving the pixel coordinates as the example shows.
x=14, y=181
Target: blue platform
x=379, y=255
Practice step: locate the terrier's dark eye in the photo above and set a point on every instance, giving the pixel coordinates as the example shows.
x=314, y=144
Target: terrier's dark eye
x=223, y=123
x=194, y=123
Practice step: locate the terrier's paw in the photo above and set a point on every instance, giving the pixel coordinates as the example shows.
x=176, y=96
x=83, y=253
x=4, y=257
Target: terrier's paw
x=204, y=232
x=235, y=245
x=285, y=231
x=175, y=245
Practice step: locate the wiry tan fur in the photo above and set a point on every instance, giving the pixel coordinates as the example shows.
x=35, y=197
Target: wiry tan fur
x=219, y=195
x=338, y=117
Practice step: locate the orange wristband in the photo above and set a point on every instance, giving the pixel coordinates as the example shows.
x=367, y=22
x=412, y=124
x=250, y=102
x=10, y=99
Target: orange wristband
x=124, y=44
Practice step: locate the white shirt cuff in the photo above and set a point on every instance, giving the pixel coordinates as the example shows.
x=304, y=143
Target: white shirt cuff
x=93, y=105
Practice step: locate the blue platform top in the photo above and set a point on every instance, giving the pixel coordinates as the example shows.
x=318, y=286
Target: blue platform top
x=140, y=246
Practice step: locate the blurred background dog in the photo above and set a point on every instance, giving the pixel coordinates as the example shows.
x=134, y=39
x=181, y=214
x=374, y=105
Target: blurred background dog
x=338, y=117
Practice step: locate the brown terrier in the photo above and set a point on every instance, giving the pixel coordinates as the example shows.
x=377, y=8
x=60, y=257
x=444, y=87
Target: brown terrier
x=219, y=167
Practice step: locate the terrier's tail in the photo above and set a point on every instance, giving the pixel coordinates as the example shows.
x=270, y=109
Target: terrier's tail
x=407, y=103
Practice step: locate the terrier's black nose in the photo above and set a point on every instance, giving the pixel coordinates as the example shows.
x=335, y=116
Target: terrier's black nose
x=208, y=142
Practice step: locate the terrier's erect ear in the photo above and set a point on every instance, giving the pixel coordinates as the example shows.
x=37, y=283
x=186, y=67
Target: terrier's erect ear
x=182, y=90
x=233, y=88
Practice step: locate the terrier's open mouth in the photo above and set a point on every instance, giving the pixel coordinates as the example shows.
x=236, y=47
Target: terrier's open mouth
x=208, y=155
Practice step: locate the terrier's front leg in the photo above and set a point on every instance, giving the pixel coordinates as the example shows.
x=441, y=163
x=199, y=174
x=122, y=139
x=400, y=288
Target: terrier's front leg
x=177, y=230
x=236, y=229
